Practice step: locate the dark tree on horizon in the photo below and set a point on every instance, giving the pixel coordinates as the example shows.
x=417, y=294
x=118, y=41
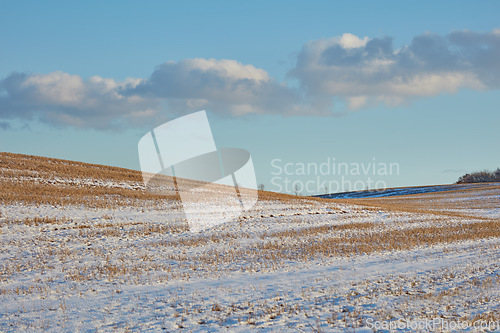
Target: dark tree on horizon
x=480, y=177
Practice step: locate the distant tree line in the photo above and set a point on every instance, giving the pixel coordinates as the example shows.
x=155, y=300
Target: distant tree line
x=480, y=177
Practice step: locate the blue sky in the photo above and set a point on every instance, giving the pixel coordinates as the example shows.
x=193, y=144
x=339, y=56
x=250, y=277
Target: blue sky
x=413, y=83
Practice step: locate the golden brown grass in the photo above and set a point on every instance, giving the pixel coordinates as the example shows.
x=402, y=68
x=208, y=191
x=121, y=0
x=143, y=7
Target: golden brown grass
x=25, y=179
x=347, y=240
x=48, y=167
x=439, y=203
x=90, y=196
x=271, y=248
x=389, y=240
x=128, y=250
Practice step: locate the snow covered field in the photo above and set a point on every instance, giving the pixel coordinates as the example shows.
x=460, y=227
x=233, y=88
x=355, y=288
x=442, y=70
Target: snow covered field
x=398, y=191
x=84, y=248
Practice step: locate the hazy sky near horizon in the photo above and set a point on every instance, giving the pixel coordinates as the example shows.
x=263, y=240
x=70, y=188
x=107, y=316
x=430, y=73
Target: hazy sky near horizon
x=293, y=82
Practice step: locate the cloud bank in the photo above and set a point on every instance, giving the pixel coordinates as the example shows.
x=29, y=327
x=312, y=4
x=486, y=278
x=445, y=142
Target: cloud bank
x=225, y=86
x=62, y=99
x=360, y=71
x=367, y=71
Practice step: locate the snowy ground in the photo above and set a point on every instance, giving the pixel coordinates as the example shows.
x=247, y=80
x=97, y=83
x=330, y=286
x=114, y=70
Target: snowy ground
x=287, y=265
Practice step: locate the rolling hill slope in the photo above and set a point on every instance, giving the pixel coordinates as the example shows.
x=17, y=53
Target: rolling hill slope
x=86, y=247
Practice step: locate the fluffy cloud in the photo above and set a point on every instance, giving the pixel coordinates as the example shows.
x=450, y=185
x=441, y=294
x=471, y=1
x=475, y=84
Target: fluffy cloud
x=364, y=71
x=225, y=86
x=360, y=71
x=63, y=99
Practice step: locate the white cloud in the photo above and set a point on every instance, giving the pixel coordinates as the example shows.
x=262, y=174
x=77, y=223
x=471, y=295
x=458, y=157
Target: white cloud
x=356, y=102
x=223, y=68
x=361, y=71
x=224, y=86
x=54, y=88
x=430, y=84
x=350, y=41
x=63, y=99
x=366, y=71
